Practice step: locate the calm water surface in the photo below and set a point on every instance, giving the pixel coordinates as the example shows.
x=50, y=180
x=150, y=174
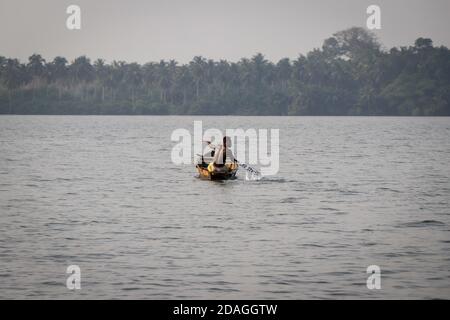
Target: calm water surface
x=102, y=193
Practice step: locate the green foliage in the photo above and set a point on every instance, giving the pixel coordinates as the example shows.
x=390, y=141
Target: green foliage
x=349, y=75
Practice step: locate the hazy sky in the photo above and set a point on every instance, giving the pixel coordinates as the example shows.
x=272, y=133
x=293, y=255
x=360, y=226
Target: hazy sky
x=150, y=30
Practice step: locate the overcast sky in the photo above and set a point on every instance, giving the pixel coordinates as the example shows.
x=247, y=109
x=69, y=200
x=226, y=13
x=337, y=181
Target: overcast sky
x=150, y=30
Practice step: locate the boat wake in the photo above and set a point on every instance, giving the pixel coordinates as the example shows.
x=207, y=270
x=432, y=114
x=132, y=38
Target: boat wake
x=252, y=176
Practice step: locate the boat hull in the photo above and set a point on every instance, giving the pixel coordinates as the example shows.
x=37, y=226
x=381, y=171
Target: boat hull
x=226, y=174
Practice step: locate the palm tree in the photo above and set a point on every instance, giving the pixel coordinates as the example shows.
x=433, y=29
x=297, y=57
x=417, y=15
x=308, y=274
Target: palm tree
x=197, y=66
x=81, y=69
x=245, y=73
x=210, y=75
x=184, y=80
x=116, y=77
x=259, y=64
x=102, y=74
x=164, y=80
x=150, y=76
x=14, y=76
x=82, y=72
x=58, y=69
x=283, y=72
x=36, y=70
x=2, y=66
x=57, y=72
x=36, y=66
x=133, y=79
x=172, y=74
x=224, y=75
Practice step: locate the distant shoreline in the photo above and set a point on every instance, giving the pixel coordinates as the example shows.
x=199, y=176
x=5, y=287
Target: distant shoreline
x=351, y=75
x=222, y=115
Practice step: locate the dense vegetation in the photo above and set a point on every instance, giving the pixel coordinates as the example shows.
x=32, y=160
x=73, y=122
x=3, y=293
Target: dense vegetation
x=350, y=75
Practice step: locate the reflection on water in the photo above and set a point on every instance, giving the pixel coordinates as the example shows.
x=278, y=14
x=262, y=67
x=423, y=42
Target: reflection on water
x=102, y=193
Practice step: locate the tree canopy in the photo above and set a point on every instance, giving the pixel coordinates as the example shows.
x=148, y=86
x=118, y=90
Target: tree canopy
x=350, y=75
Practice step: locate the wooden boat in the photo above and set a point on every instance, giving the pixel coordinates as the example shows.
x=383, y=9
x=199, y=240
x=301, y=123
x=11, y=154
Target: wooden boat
x=226, y=172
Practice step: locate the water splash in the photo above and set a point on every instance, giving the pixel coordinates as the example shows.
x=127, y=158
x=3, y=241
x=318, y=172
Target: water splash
x=252, y=176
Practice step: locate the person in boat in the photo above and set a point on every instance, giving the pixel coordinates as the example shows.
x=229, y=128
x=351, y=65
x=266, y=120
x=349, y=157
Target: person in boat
x=209, y=155
x=223, y=156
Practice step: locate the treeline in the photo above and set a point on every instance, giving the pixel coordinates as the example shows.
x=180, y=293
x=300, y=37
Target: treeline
x=350, y=75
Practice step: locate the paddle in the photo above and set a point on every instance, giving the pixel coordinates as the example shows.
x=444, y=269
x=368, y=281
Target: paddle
x=246, y=167
x=250, y=170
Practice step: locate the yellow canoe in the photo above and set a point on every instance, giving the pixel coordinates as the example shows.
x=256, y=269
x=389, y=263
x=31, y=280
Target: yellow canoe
x=210, y=172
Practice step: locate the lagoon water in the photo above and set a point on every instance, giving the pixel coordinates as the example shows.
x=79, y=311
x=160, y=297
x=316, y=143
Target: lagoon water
x=103, y=194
